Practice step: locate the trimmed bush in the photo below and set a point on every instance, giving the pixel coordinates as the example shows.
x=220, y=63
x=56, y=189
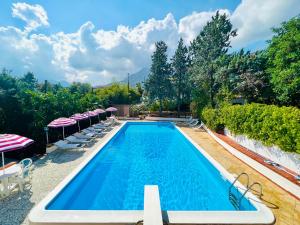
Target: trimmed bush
x=272, y=125
x=213, y=119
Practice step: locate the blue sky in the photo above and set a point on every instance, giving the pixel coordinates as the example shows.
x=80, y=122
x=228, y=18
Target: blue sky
x=69, y=15
x=99, y=41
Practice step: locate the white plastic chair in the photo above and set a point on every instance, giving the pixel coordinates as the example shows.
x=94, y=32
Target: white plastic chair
x=23, y=177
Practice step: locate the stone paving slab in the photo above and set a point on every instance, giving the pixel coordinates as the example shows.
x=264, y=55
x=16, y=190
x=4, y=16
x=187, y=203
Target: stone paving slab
x=285, y=207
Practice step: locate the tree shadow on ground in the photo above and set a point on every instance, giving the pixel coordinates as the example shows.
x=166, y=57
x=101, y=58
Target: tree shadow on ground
x=59, y=157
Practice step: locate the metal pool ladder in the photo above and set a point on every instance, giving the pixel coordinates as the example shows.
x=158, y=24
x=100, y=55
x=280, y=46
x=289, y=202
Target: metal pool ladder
x=234, y=199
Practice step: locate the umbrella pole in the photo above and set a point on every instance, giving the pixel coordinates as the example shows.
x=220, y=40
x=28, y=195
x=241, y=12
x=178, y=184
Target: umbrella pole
x=78, y=125
x=3, y=162
x=63, y=132
x=47, y=137
x=90, y=121
x=98, y=118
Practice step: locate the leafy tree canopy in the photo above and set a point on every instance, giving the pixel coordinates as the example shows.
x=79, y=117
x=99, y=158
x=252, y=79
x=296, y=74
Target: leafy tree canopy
x=284, y=62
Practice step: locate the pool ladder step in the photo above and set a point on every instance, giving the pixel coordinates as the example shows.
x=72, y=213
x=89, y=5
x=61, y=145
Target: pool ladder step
x=236, y=200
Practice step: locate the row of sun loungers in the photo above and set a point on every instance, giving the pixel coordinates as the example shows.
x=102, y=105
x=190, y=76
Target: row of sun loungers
x=194, y=123
x=86, y=136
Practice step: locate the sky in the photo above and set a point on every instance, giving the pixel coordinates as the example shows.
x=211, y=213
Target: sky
x=99, y=41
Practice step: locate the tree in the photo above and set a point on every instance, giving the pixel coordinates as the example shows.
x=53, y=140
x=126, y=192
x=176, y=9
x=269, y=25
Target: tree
x=284, y=62
x=243, y=74
x=180, y=78
x=158, y=85
x=211, y=44
x=28, y=81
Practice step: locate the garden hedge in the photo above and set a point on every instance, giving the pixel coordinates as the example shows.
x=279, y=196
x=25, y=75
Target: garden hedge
x=270, y=124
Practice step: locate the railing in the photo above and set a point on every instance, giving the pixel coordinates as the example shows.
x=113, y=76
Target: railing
x=234, y=199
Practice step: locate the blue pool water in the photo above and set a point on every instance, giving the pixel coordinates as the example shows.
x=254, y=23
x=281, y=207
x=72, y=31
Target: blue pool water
x=147, y=154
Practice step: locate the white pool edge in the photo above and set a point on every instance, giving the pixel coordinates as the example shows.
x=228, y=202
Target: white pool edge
x=270, y=174
x=39, y=215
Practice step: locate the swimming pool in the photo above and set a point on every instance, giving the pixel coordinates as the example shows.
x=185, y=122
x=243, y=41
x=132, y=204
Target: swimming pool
x=149, y=153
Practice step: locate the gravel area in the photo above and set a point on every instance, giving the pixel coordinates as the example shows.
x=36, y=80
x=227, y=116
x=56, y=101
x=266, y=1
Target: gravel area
x=48, y=172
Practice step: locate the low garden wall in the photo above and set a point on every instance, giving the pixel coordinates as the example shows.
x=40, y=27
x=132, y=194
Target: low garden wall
x=268, y=130
x=287, y=159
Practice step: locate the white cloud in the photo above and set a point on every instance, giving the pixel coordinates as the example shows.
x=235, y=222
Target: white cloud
x=100, y=56
x=254, y=19
x=33, y=15
x=189, y=26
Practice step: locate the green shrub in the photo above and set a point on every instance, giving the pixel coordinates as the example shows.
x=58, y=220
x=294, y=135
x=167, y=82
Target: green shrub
x=212, y=118
x=136, y=110
x=272, y=125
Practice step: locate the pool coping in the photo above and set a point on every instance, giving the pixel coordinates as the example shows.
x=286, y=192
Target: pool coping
x=278, y=179
x=39, y=215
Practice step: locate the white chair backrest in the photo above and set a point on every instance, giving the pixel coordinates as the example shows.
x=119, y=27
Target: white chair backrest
x=26, y=166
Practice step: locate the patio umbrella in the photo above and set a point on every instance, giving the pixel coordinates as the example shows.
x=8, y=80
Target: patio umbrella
x=78, y=117
x=111, y=110
x=99, y=111
x=91, y=114
x=62, y=122
x=12, y=142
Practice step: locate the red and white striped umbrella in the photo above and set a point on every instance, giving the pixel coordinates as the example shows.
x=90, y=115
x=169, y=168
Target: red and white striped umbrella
x=12, y=142
x=78, y=117
x=62, y=122
x=99, y=111
x=111, y=109
x=91, y=114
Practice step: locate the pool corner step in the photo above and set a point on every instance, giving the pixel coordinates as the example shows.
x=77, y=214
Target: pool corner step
x=152, y=209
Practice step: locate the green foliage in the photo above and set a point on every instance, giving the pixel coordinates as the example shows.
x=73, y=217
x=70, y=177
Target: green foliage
x=158, y=85
x=242, y=74
x=270, y=124
x=206, y=50
x=212, y=118
x=136, y=110
x=26, y=107
x=118, y=94
x=284, y=62
x=180, y=76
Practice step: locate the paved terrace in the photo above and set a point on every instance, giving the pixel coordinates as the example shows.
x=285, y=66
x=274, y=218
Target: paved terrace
x=54, y=167
x=285, y=207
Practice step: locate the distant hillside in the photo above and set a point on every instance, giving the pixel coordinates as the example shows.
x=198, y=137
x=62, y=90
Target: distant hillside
x=137, y=77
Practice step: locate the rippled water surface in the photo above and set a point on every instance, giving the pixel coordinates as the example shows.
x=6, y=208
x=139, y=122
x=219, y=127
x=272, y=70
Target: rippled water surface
x=147, y=153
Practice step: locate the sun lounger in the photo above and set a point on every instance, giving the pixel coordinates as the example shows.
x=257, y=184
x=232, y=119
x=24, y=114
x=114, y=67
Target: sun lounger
x=193, y=123
x=73, y=139
x=96, y=132
x=87, y=136
x=201, y=125
x=65, y=145
x=185, y=122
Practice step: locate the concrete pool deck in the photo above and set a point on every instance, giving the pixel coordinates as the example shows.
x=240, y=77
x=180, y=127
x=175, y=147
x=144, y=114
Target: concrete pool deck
x=285, y=207
x=51, y=169
x=48, y=172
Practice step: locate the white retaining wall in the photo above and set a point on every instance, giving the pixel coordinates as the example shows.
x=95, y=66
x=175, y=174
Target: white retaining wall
x=286, y=159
